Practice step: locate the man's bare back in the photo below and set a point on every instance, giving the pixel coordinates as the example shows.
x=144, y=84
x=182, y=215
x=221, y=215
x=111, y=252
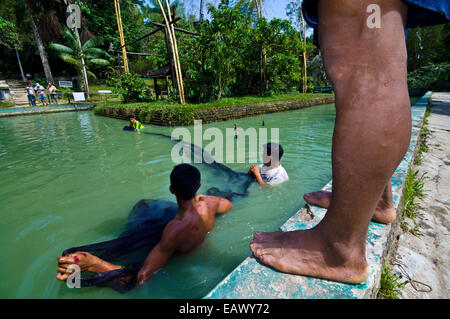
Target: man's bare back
x=191, y=226
x=185, y=233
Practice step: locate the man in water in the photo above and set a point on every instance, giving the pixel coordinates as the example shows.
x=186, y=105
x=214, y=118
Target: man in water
x=185, y=233
x=365, y=61
x=135, y=124
x=271, y=172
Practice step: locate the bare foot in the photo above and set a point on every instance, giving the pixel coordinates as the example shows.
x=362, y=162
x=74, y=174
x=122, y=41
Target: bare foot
x=85, y=261
x=319, y=198
x=305, y=252
x=385, y=212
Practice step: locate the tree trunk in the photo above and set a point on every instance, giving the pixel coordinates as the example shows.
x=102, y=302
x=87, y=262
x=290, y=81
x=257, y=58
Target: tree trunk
x=40, y=45
x=305, y=74
x=263, y=50
x=302, y=35
x=20, y=64
x=173, y=43
x=83, y=65
x=201, y=10
x=85, y=85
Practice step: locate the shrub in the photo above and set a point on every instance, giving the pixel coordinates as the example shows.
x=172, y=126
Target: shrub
x=131, y=87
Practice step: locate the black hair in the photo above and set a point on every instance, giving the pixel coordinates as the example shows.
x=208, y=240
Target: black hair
x=185, y=181
x=131, y=116
x=274, y=148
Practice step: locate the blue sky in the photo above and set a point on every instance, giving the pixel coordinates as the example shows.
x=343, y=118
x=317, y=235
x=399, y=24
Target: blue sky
x=275, y=9
x=272, y=8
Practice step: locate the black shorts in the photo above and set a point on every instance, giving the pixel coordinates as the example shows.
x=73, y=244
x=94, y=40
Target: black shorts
x=421, y=13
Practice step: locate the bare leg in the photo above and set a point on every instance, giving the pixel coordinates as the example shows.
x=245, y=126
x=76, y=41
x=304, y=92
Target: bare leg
x=384, y=213
x=367, y=68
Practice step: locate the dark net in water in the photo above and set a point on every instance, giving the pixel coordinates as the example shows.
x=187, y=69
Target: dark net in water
x=145, y=226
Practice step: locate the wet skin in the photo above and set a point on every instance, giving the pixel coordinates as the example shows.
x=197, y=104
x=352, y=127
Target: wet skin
x=185, y=233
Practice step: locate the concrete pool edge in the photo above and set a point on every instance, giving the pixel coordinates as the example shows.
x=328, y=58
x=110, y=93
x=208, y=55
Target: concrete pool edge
x=251, y=280
x=45, y=109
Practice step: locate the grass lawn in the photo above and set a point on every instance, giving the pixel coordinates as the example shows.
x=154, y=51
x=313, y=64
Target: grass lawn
x=174, y=112
x=221, y=103
x=6, y=104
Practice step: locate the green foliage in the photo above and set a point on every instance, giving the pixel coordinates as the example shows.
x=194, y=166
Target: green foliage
x=427, y=46
x=6, y=104
x=101, y=21
x=72, y=53
x=41, y=81
x=226, y=59
x=390, y=286
x=131, y=87
x=414, y=189
x=317, y=72
x=184, y=114
x=430, y=76
x=8, y=36
x=425, y=133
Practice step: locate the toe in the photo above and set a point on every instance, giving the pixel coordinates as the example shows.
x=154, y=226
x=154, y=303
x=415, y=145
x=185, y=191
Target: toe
x=267, y=259
x=257, y=235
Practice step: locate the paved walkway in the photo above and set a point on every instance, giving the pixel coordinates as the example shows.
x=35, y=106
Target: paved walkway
x=426, y=259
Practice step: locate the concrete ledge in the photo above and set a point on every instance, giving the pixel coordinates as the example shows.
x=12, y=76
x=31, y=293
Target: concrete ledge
x=254, y=280
x=44, y=109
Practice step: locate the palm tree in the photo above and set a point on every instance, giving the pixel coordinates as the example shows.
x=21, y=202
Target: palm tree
x=83, y=57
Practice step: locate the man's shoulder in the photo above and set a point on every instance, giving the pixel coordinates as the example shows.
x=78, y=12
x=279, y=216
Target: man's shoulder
x=205, y=200
x=207, y=203
x=173, y=229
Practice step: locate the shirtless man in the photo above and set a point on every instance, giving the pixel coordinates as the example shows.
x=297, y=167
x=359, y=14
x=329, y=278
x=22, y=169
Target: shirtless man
x=367, y=68
x=194, y=220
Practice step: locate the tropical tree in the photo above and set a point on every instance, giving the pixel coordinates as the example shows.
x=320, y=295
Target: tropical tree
x=294, y=8
x=224, y=60
x=82, y=57
x=202, y=4
x=152, y=11
x=10, y=39
x=40, y=45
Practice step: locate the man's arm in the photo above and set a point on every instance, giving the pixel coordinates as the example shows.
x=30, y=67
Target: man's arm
x=161, y=253
x=256, y=170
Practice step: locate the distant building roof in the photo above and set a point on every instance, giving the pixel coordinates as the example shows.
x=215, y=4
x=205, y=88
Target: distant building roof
x=160, y=73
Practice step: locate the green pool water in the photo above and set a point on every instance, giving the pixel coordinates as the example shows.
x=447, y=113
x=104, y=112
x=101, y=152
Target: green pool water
x=70, y=179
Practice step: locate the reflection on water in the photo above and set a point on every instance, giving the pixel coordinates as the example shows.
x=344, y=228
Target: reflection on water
x=70, y=179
